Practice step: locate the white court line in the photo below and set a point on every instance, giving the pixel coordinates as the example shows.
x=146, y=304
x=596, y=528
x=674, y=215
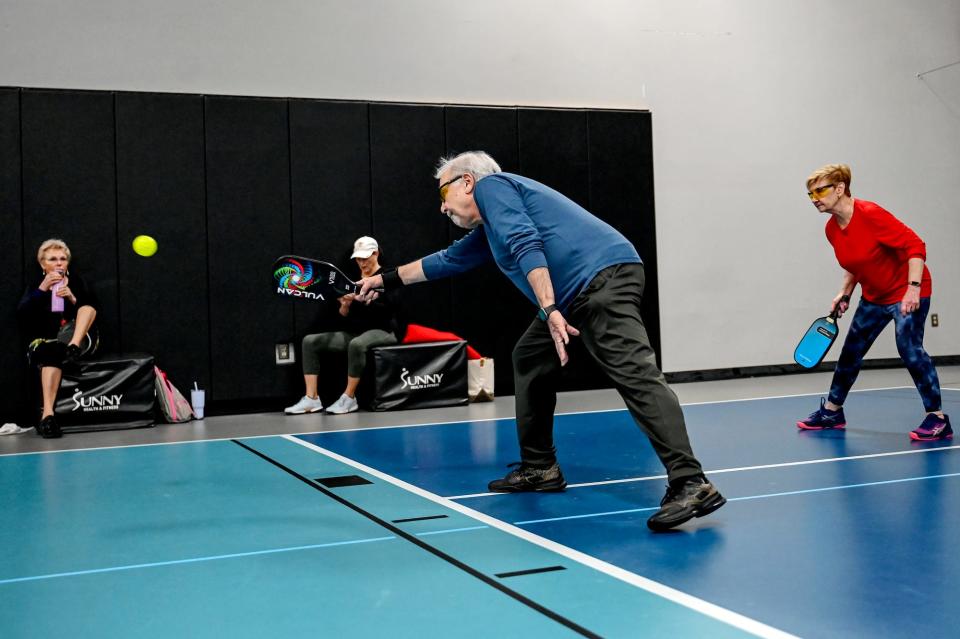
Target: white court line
x=236, y=555
x=825, y=460
x=689, y=601
x=756, y=399
x=296, y=434
x=788, y=493
x=149, y=444
x=460, y=421
x=585, y=412
x=192, y=560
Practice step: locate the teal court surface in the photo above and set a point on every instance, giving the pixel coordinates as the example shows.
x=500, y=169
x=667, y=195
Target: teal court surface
x=388, y=531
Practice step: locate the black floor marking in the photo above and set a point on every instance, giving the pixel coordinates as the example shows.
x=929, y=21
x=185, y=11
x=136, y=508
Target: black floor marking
x=532, y=571
x=425, y=546
x=403, y=521
x=345, y=480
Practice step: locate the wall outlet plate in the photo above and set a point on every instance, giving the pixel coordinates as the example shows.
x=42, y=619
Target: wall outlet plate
x=285, y=354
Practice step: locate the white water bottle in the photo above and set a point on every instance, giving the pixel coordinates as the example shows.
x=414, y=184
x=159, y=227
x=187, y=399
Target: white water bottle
x=56, y=302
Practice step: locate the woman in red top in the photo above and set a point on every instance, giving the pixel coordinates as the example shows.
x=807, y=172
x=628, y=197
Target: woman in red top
x=886, y=258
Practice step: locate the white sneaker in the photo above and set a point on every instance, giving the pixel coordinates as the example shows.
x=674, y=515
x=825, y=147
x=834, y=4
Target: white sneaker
x=13, y=429
x=305, y=405
x=343, y=405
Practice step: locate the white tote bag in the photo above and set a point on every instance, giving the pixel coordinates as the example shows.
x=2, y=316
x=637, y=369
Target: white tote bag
x=480, y=379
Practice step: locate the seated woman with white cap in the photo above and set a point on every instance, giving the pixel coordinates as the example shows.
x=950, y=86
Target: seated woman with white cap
x=364, y=327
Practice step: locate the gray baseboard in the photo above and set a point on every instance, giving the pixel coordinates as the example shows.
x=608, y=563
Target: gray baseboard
x=789, y=369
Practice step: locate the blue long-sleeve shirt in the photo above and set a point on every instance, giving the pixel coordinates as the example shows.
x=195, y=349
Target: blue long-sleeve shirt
x=527, y=225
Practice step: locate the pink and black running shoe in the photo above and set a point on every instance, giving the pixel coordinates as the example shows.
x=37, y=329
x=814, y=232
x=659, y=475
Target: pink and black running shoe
x=932, y=429
x=823, y=419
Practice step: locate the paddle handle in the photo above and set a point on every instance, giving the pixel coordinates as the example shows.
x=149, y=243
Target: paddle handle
x=834, y=314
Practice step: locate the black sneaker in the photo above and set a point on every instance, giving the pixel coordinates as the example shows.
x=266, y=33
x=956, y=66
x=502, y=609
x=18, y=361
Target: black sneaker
x=526, y=478
x=73, y=353
x=49, y=428
x=696, y=497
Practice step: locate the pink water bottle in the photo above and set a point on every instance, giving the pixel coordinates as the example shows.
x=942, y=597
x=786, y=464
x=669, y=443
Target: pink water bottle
x=56, y=302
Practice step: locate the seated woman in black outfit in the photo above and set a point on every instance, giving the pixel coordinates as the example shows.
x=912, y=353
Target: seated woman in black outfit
x=59, y=298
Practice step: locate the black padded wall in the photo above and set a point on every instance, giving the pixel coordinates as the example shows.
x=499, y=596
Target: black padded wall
x=69, y=190
x=227, y=184
x=160, y=193
x=248, y=217
x=12, y=376
x=621, y=193
x=405, y=143
x=488, y=311
x=553, y=150
x=330, y=177
x=490, y=129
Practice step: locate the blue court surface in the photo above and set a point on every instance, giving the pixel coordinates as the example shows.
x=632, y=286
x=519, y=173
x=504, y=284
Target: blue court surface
x=389, y=532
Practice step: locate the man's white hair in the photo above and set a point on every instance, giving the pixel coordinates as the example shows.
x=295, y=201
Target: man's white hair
x=479, y=164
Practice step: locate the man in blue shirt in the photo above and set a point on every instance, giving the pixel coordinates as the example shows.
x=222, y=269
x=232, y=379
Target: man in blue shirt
x=570, y=264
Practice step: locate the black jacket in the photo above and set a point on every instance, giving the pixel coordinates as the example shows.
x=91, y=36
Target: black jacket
x=34, y=314
x=384, y=313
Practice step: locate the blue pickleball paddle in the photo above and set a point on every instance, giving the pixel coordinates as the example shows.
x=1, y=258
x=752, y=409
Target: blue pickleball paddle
x=816, y=342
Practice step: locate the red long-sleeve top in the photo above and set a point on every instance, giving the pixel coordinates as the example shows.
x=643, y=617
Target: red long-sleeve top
x=875, y=247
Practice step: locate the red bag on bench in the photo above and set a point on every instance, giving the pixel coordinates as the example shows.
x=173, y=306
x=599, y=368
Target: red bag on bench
x=417, y=334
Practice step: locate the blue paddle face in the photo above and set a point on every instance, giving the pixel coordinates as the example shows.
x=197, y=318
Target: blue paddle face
x=816, y=342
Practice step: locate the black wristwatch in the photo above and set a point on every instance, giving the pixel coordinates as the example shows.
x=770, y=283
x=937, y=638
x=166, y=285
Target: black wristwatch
x=544, y=313
x=917, y=284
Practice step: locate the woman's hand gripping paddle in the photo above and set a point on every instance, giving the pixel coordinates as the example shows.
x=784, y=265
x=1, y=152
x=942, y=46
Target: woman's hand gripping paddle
x=818, y=339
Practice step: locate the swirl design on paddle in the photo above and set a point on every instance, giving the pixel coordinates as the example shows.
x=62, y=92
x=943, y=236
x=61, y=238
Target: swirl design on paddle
x=294, y=275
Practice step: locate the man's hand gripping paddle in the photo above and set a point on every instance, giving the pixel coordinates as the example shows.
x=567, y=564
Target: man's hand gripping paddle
x=310, y=279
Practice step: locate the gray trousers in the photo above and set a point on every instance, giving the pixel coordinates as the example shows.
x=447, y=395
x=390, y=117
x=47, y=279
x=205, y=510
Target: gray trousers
x=607, y=313
x=356, y=347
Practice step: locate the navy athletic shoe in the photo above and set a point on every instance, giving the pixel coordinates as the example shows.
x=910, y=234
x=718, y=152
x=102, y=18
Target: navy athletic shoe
x=932, y=429
x=823, y=418
x=527, y=478
x=685, y=499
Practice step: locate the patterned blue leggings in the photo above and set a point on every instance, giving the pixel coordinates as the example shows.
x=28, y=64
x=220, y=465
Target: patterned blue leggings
x=869, y=320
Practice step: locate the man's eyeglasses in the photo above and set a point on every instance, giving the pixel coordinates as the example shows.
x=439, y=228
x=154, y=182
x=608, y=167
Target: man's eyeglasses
x=445, y=188
x=820, y=192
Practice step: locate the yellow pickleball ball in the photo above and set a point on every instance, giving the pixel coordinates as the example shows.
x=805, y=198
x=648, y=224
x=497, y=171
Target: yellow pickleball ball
x=144, y=245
